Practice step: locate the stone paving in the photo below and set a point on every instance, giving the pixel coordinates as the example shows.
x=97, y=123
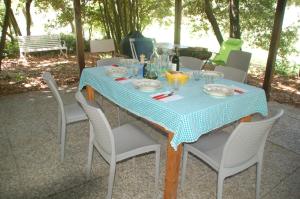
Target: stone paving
x=30, y=165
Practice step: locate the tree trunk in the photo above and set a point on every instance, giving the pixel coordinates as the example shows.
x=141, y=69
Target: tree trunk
x=4, y=28
x=28, y=16
x=72, y=26
x=14, y=23
x=177, y=27
x=275, y=40
x=79, y=35
x=234, y=15
x=211, y=18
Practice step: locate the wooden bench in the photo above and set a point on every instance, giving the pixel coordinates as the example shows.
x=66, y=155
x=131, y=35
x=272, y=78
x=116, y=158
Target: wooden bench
x=40, y=43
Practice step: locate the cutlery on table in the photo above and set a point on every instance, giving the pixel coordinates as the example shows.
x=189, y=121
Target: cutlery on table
x=161, y=96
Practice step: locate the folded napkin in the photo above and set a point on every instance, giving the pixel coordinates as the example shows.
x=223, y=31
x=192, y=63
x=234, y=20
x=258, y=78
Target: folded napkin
x=238, y=91
x=123, y=80
x=166, y=96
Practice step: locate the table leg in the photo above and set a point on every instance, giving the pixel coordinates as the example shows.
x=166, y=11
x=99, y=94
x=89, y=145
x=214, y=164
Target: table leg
x=246, y=119
x=90, y=93
x=172, y=169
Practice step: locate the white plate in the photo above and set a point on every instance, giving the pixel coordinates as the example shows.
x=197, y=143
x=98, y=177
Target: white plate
x=218, y=90
x=147, y=85
x=116, y=71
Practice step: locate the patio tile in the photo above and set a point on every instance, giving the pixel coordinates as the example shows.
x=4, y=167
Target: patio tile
x=288, y=188
x=10, y=179
x=203, y=187
x=77, y=138
x=46, y=173
x=22, y=138
x=289, y=110
x=89, y=190
x=5, y=147
x=286, y=132
x=277, y=165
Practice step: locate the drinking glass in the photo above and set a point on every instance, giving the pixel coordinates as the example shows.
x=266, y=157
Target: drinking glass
x=175, y=84
x=134, y=70
x=197, y=75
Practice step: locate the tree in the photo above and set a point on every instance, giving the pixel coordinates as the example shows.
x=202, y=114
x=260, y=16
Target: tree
x=119, y=17
x=254, y=20
x=28, y=16
x=5, y=25
x=63, y=9
x=234, y=18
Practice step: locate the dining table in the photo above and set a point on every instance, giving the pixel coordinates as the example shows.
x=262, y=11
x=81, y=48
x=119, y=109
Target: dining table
x=184, y=115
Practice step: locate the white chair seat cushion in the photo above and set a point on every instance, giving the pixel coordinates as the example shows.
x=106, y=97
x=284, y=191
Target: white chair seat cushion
x=130, y=141
x=210, y=147
x=74, y=113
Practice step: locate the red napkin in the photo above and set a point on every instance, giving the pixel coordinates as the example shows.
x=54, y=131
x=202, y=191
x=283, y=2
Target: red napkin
x=115, y=65
x=120, y=78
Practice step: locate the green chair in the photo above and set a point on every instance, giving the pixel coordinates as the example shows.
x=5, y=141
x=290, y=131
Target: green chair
x=226, y=47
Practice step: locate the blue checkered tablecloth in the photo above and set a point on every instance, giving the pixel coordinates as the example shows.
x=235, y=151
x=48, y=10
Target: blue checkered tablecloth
x=188, y=118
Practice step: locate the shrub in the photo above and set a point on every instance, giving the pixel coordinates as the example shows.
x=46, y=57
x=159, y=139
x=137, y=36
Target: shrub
x=71, y=42
x=11, y=49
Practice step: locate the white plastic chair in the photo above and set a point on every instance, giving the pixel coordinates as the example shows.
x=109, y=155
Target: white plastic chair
x=117, y=144
x=231, y=153
x=109, y=61
x=132, y=48
x=232, y=73
x=102, y=46
x=239, y=59
x=67, y=114
x=191, y=62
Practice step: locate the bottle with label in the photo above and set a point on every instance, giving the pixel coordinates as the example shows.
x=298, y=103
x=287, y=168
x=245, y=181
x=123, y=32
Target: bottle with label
x=144, y=65
x=175, y=59
x=145, y=70
x=153, y=66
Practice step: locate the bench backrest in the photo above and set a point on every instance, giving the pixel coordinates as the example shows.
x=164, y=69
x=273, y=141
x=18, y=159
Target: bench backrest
x=36, y=43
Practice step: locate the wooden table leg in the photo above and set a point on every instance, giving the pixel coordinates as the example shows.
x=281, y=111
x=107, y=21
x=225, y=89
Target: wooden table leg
x=246, y=119
x=90, y=93
x=172, y=169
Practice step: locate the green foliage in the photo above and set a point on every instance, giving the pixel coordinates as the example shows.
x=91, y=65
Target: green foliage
x=286, y=68
x=71, y=43
x=11, y=49
x=256, y=21
x=63, y=9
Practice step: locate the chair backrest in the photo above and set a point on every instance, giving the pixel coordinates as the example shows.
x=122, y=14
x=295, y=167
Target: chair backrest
x=132, y=48
x=239, y=59
x=226, y=47
x=109, y=61
x=247, y=141
x=102, y=46
x=103, y=136
x=54, y=89
x=232, y=73
x=191, y=62
x=140, y=46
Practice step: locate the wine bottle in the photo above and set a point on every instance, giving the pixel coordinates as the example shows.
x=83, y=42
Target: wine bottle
x=175, y=59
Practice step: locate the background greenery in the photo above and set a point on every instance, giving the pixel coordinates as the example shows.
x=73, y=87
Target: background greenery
x=116, y=18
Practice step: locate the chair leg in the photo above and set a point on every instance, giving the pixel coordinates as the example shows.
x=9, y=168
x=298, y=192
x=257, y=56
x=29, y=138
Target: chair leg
x=258, y=178
x=220, y=186
x=157, y=158
x=90, y=158
x=62, y=141
x=111, y=177
x=183, y=170
x=118, y=112
x=59, y=128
